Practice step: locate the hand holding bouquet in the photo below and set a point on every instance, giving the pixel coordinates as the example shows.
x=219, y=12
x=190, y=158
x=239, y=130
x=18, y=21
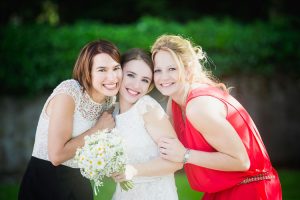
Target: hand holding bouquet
x=102, y=155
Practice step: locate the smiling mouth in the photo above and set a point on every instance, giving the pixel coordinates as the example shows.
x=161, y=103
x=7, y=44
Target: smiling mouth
x=132, y=92
x=166, y=84
x=111, y=86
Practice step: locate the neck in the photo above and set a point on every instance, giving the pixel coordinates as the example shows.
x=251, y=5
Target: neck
x=180, y=96
x=124, y=105
x=95, y=96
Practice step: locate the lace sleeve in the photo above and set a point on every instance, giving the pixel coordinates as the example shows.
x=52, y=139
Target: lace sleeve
x=70, y=87
x=146, y=103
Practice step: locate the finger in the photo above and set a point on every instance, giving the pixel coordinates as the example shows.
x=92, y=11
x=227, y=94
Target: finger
x=164, y=156
x=105, y=113
x=162, y=144
x=162, y=150
x=115, y=174
x=166, y=140
x=165, y=150
x=109, y=116
x=116, y=177
x=120, y=178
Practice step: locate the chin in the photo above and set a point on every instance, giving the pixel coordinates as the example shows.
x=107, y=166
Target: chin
x=165, y=93
x=110, y=93
x=133, y=100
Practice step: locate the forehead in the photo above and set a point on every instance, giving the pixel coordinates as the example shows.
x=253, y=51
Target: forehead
x=104, y=60
x=163, y=58
x=139, y=67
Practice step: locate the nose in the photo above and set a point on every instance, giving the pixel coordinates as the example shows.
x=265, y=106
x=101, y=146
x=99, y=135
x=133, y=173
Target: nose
x=136, y=84
x=161, y=76
x=112, y=75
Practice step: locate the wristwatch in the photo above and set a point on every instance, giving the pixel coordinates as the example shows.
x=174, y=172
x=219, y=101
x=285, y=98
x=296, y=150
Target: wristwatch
x=186, y=155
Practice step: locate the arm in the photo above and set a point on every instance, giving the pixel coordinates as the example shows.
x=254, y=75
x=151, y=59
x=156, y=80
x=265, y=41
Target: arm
x=157, y=125
x=230, y=154
x=61, y=145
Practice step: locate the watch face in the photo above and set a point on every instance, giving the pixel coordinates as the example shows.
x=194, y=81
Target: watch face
x=186, y=156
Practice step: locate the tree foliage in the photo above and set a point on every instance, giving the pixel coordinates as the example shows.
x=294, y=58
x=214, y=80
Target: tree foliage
x=36, y=57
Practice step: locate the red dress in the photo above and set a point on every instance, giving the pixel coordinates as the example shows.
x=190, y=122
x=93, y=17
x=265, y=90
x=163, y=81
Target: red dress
x=259, y=182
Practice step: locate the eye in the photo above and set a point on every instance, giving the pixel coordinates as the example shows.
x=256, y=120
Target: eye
x=101, y=70
x=172, y=69
x=145, y=80
x=157, y=70
x=117, y=68
x=130, y=75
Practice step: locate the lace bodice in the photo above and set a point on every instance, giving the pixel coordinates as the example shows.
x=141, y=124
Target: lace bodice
x=140, y=147
x=85, y=115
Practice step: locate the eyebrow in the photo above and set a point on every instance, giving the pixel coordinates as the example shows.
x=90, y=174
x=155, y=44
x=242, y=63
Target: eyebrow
x=101, y=67
x=172, y=65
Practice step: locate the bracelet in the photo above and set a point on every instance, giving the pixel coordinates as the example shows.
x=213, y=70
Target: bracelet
x=186, y=155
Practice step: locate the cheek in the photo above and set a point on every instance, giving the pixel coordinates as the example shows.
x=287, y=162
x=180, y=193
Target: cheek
x=119, y=75
x=125, y=81
x=97, y=76
x=155, y=78
x=145, y=89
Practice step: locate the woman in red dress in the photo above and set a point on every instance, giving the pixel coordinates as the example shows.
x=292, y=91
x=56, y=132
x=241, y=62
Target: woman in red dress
x=219, y=144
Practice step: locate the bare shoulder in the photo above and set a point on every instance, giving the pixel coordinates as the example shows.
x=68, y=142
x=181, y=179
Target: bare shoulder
x=205, y=107
x=62, y=102
x=63, y=99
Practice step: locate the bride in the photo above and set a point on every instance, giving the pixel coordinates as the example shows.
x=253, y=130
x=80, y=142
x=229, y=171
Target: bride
x=142, y=121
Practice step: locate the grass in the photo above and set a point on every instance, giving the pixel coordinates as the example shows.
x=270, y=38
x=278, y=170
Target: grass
x=183, y=189
x=289, y=181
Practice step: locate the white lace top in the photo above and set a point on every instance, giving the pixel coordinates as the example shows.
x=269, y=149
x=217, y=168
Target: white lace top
x=85, y=115
x=140, y=147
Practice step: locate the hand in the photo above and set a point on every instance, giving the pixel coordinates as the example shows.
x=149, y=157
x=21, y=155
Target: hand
x=171, y=149
x=128, y=175
x=105, y=121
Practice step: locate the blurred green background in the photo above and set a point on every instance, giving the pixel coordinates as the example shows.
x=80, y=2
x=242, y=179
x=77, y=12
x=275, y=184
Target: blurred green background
x=252, y=45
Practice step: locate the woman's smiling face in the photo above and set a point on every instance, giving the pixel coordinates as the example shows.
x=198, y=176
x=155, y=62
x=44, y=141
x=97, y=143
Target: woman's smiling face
x=137, y=77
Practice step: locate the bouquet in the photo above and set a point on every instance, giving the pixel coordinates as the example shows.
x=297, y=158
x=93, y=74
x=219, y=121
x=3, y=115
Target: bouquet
x=102, y=155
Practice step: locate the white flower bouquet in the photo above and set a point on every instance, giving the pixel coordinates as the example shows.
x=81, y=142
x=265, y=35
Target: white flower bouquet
x=102, y=155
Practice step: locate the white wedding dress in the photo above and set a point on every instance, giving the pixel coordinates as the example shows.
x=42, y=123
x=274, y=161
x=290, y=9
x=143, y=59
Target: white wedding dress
x=139, y=148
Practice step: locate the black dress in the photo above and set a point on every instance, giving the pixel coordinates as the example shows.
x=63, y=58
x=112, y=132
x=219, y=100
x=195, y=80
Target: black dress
x=44, y=181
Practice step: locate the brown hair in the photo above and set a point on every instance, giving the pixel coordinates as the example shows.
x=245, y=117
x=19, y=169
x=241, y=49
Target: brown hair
x=190, y=59
x=138, y=54
x=83, y=66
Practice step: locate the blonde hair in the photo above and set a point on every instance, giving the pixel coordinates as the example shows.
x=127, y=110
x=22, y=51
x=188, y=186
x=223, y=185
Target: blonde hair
x=190, y=59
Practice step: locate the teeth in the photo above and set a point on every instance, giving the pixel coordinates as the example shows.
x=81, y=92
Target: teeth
x=166, y=84
x=132, y=92
x=110, y=86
